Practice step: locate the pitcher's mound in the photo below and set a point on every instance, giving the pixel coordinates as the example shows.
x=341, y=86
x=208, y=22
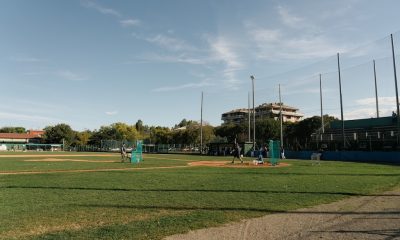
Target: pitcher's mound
x=236, y=164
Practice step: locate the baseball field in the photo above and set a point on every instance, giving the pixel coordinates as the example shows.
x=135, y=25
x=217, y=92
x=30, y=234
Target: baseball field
x=95, y=196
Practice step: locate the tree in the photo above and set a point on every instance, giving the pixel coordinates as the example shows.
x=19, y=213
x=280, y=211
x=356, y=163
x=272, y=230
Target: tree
x=161, y=135
x=82, y=138
x=300, y=133
x=139, y=126
x=231, y=132
x=183, y=123
x=267, y=129
x=58, y=133
x=208, y=134
x=116, y=131
x=12, y=130
x=124, y=132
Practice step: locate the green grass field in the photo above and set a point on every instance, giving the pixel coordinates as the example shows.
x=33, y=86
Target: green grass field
x=150, y=201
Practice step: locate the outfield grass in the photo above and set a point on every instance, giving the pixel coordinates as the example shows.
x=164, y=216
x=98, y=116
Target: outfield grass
x=147, y=202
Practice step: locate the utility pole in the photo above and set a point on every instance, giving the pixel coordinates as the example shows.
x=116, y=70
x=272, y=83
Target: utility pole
x=320, y=99
x=254, y=115
x=341, y=103
x=376, y=92
x=397, y=93
x=248, y=111
x=280, y=114
x=201, y=125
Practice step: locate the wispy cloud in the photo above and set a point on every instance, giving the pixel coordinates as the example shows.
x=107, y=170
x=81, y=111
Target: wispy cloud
x=25, y=59
x=366, y=112
x=179, y=51
x=223, y=51
x=181, y=87
x=366, y=107
x=289, y=19
x=129, y=22
x=35, y=73
x=25, y=117
x=384, y=101
x=71, y=76
x=177, y=58
x=123, y=21
x=111, y=113
x=169, y=43
x=101, y=9
x=274, y=44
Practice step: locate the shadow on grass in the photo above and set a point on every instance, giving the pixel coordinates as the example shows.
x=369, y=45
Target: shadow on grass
x=265, y=210
x=199, y=190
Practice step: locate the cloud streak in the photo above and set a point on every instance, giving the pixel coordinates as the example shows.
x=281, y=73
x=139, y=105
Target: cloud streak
x=366, y=108
x=129, y=22
x=101, y=9
x=384, y=101
x=24, y=117
x=181, y=87
x=111, y=113
x=274, y=44
x=289, y=19
x=70, y=76
x=168, y=42
x=27, y=59
x=281, y=42
x=178, y=58
x=223, y=51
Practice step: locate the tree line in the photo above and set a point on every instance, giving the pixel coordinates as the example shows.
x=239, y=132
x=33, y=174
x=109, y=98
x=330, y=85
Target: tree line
x=186, y=132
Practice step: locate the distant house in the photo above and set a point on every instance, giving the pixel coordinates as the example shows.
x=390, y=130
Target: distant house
x=236, y=116
x=19, y=138
x=18, y=141
x=272, y=110
x=265, y=110
x=38, y=133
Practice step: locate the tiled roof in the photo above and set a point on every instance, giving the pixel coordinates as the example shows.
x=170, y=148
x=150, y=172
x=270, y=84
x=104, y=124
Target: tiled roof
x=18, y=135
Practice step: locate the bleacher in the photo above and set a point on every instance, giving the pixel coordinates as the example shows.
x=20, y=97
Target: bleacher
x=362, y=134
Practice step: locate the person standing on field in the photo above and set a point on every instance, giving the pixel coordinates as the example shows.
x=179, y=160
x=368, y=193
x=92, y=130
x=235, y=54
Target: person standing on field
x=283, y=153
x=236, y=153
x=123, y=153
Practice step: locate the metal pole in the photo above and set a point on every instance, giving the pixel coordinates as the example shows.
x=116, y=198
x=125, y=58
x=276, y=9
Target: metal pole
x=376, y=92
x=397, y=93
x=320, y=99
x=254, y=116
x=341, y=103
x=201, y=125
x=248, y=111
x=280, y=114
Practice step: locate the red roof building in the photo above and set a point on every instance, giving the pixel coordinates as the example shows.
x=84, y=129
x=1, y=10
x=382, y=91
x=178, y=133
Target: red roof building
x=18, y=137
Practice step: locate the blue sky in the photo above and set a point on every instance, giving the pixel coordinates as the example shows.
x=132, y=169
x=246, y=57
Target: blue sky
x=91, y=63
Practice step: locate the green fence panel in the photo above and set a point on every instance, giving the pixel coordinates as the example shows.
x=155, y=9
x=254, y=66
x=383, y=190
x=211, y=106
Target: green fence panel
x=274, y=152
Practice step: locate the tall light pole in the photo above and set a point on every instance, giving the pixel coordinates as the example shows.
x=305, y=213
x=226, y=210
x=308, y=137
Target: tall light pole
x=395, y=86
x=376, y=92
x=341, y=103
x=201, y=126
x=280, y=114
x=320, y=100
x=254, y=115
x=248, y=111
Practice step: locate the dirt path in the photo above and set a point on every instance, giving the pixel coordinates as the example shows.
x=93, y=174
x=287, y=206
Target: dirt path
x=367, y=217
